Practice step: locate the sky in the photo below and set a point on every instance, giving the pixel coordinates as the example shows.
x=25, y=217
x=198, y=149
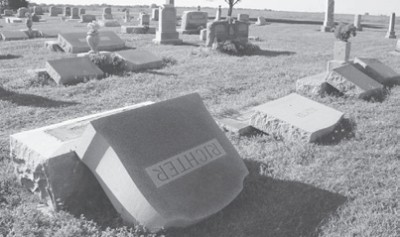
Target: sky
x=375, y=7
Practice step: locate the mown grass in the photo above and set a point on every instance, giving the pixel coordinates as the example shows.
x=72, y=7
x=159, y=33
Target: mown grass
x=346, y=189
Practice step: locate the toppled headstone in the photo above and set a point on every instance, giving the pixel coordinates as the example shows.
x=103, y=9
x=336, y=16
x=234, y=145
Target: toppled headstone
x=139, y=60
x=378, y=71
x=166, y=32
x=313, y=85
x=46, y=164
x=351, y=81
x=73, y=70
x=75, y=42
x=53, y=46
x=13, y=35
x=295, y=117
x=175, y=165
x=193, y=22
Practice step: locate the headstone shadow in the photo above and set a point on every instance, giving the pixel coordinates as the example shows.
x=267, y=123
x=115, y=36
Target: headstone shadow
x=270, y=53
x=269, y=207
x=32, y=100
x=161, y=73
x=343, y=130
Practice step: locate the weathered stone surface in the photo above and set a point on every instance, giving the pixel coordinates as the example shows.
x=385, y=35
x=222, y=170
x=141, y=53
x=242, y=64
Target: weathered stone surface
x=13, y=35
x=49, y=33
x=155, y=12
x=294, y=117
x=223, y=30
x=138, y=30
x=75, y=42
x=54, y=11
x=261, y=21
x=341, y=51
x=75, y=13
x=86, y=18
x=378, y=71
x=67, y=11
x=203, y=35
x=313, y=85
x=357, y=22
x=139, y=60
x=72, y=70
x=8, y=12
x=82, y=11
x=53, y=46
x=109, y=23
x=144, y=19
x=243, y=17
x=334, y=64
x=351, y=81
x=166, y=32
x=47, y=166
x=237, y=123
x=164, y=165
x=193, y=22
x=13, y=20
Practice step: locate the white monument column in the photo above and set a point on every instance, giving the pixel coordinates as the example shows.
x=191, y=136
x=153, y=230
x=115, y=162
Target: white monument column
x=329, y=21
x=391, y=34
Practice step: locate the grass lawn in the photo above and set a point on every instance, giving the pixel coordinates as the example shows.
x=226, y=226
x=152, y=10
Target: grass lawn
x=350, y=188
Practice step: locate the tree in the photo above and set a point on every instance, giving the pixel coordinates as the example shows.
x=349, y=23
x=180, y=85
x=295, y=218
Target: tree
x=231, y=4
x=13, y=4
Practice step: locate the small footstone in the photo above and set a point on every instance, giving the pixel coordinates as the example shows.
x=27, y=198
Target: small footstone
x=295, y=117
x=139, y=59
x=72, y=70
x=164, y=165
x=378, y=71
x=351, y=81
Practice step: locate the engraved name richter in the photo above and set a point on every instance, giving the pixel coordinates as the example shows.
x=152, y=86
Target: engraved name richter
x=185, y=162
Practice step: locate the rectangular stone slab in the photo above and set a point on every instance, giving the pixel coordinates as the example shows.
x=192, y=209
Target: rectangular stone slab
x=72, y=70
x=164, y=165
x=295, y=117
x=47, y=165
x=351, y=81
x=13, y=35
x=75, y=42
x=378, y=71
x=140, y=59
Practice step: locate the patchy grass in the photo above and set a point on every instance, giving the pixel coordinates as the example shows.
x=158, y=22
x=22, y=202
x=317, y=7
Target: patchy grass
x=349, y=188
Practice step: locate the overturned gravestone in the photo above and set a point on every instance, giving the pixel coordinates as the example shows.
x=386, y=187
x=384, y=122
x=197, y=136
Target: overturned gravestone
x=46, y=164
x=139, y=59
x=164, y=165
x=295, y=117
x=13, y=35
x=193, y=22
x=378, y=71
x=238, y=123
x=76, y=42
x=314, y=85
x=72, y=70
x=351, y=81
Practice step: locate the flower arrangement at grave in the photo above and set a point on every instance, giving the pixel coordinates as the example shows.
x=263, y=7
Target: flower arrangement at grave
x=343, y=32
x=93, y=38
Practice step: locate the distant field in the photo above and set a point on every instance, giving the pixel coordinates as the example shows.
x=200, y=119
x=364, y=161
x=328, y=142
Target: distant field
x=346, y=189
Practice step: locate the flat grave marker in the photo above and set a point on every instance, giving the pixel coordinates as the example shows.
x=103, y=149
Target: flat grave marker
x=140, y=59
x=378, y=71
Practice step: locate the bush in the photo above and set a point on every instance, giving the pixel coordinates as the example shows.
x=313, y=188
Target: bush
x=109, y=64
x=234, y=47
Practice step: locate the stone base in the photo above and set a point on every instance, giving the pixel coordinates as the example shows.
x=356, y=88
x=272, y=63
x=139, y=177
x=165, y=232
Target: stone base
x=326, y=29
x=46, y=166
x=334, y=64
x=53, y=46
x=138, y=30
x=167, y=38
x=341, y=51
x=313, y=85
x=391, y=35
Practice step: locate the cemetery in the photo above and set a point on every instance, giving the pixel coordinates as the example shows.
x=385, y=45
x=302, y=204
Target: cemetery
x=168, y=121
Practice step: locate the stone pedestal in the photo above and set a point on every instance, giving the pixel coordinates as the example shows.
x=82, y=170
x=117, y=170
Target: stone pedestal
x=341, y=51
x=357, y=22
x=155, y=12
x=218, y=14
x=203, y=35
x=166, y=32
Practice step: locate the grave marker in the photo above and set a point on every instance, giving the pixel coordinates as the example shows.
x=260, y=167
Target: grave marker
x=75, y=13
x=86, y=18
x=166, y=32
x=175, y=165
x=72, y=70
x=8, y=12
x=144, y=19
x=329, y=22
x=295, y=117
x=378, y=71
x=193, y=22
x=391, y=34
x=75, y=42
x=155, y=12
x=243, y=17
x=351, y=81
x=218, y=14
x=67, y=11
x=261, y=21
x=13, y=35
x=38, y=10
x=357, y=22
x=139, y=60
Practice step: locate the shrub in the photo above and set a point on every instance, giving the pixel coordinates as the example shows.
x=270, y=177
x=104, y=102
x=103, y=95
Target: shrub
x=109, y=64
x=234, y=47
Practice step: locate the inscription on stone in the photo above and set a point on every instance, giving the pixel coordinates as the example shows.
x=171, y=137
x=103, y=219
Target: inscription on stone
x=177, y=166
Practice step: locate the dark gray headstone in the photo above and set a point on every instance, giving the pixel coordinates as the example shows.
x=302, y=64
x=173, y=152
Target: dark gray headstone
x=378, y=71
x=140, y=59
x=72, y=70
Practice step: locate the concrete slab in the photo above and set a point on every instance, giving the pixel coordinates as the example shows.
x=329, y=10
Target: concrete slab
x=164, y=165
x=378, y=71
x=295, y=117
x=139, y=59
x=75, y=42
